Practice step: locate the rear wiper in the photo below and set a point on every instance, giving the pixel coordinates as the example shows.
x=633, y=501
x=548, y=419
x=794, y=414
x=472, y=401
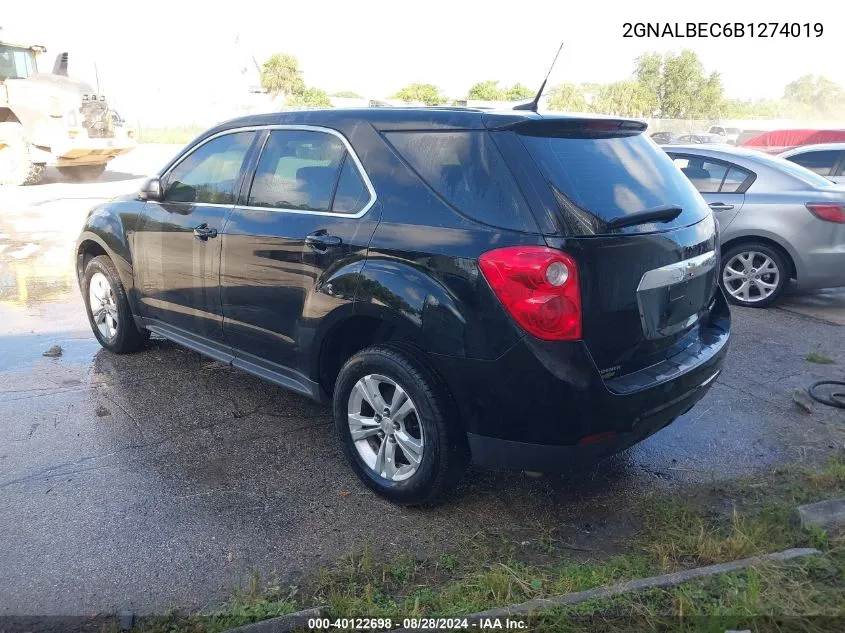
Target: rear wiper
x=663, y=213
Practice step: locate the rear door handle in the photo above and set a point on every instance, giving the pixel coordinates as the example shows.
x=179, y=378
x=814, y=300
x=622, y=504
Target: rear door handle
x=720, y=206
x=203, y=232
x=322, y=241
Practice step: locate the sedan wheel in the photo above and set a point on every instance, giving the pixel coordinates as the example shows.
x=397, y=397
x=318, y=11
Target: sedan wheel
x=753, y=275
x=385, y=427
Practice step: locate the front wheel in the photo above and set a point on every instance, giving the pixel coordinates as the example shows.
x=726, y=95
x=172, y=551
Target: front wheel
x=108, y=308
x=15, y=165
x=397, y=425
x=753, y=275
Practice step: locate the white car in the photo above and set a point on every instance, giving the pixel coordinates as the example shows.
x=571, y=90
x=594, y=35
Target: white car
x=730, y=134
x=826, y=159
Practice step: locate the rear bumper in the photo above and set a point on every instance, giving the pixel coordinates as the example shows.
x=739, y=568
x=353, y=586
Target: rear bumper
x=823, y=268
x=543, y=405
x=491, y=452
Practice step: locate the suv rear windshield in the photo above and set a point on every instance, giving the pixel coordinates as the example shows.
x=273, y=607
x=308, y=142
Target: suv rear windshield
x=597, y=179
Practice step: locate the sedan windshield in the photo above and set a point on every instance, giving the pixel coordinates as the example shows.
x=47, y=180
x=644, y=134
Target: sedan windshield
x=16, y=62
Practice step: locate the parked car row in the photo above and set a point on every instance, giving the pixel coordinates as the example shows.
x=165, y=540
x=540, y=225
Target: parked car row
x=717, y=134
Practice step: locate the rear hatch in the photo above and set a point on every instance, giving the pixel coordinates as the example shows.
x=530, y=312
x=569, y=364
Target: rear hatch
x=644, y=239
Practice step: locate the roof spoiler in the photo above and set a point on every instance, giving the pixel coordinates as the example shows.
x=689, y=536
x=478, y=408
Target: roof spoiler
x=577, y=127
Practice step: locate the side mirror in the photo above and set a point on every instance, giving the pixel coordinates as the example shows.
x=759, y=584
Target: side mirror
x=151, y=190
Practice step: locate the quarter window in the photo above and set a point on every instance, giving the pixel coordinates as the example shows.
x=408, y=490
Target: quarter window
x=209, y=174
x=710, y=176
x=351, y=194
x=467, y=170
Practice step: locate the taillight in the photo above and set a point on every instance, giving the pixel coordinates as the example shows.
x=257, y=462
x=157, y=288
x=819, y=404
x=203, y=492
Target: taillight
x=538, y=287
x=830, y=212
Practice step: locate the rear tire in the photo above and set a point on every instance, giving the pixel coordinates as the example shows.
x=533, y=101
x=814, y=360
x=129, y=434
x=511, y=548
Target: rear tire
x=753, y=274
x=425, y=449
x=82, y=173
x=111, y=317
x=15, y=165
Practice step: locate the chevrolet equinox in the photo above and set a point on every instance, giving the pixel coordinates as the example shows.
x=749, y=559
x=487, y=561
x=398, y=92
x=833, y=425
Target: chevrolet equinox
x=513, y=289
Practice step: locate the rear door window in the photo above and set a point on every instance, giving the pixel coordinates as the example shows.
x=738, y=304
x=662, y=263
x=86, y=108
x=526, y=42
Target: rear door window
x=467, y=170
x=298, y=169
x=598, y=179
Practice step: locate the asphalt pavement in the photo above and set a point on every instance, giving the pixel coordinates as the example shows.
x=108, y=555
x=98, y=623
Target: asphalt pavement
x=164, y=479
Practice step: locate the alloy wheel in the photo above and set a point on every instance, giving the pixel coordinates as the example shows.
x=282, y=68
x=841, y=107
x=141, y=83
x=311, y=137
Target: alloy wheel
x=385, y=427
x=750, y=276
x=103, y=306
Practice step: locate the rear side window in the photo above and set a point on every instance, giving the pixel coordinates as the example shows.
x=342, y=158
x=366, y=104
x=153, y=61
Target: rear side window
x=598, y=179
x=710, y=176
x=820, y=162
x=209, y=173
x=297, y=170
x=467, y=170
x=309, y=171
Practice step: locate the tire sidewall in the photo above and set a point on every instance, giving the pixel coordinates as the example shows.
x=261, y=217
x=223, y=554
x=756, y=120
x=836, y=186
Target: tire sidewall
x=98, y=265
x=774, y=255
x=423, y=481
x=14, y=137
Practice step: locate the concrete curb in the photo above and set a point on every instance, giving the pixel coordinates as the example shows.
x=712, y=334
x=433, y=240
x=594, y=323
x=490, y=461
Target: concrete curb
x=824, y=514
x=282, y=624
x=667, y=580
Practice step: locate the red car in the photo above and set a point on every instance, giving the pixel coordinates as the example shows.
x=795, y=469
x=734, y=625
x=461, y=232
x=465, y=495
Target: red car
x=782, y=140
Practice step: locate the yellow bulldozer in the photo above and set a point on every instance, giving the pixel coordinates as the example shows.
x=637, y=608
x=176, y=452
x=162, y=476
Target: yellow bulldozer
x=50, y=119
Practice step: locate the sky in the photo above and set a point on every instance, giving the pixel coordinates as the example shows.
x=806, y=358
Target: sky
x=181, y=51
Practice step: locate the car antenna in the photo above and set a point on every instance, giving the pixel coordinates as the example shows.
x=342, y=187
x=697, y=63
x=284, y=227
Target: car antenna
x=534, y=103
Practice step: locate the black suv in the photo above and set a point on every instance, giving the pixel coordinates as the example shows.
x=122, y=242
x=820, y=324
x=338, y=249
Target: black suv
x=515, y=289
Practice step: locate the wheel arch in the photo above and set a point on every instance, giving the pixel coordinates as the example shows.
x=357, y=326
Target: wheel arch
x=90, y=245
x=352, y=328
x=770, y=241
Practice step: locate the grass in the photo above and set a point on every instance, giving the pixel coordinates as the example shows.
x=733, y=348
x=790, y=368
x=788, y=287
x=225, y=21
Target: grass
x=252, y=604
x=820, y=359
x=169, y=135
x=488, y=570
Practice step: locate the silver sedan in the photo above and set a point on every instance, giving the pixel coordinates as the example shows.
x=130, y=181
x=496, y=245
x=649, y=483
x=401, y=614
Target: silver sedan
x=778, y=221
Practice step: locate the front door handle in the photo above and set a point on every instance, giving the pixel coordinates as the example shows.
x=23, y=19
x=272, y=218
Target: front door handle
x=720, y=206
x=322, y=241
x=203, y=232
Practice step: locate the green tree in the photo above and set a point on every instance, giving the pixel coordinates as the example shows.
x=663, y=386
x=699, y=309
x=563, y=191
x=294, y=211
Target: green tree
x=685, y=90
x=280, y=74
x=567, y=97
x=429, y=94
x=485, y=91
x=624, y=98
x=347, y=94
x=518, y=92
x=816, y=91
x=649, y=72
x=678, y=86
x=310, y=98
